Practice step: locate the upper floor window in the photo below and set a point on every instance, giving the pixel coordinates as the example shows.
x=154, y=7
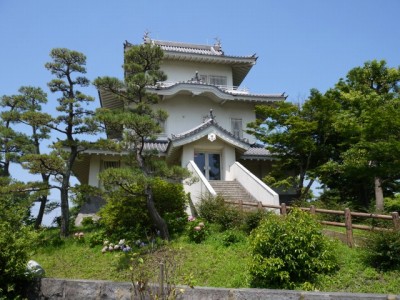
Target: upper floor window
x=217, y=80
x=237, y=128
x=214, y=79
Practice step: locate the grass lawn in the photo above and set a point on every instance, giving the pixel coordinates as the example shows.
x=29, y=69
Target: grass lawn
x=211, y=263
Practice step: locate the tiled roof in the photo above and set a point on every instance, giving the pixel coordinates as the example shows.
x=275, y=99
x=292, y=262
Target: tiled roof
x=187, y=48
x=210, y=122
x=256, y=152
x=160, y=146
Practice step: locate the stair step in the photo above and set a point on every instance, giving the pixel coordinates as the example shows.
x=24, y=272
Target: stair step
x=231, y=191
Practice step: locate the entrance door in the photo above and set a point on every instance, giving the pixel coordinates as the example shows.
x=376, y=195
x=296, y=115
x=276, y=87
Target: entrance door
x=209, y=163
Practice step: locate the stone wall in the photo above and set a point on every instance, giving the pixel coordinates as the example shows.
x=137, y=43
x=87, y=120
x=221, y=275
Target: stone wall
x=52, y=288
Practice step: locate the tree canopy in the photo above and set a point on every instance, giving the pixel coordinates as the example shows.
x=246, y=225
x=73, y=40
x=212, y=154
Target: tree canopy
x=348, y=138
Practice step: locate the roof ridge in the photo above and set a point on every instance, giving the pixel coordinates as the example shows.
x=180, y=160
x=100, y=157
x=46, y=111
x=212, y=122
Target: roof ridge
x=181, y=44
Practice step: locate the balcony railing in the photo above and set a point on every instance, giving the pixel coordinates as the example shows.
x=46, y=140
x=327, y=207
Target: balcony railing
x=231, y=89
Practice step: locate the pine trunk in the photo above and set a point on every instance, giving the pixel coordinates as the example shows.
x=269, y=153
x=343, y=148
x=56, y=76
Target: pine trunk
x=155, y=216
x=39, y=218
x=64, y=208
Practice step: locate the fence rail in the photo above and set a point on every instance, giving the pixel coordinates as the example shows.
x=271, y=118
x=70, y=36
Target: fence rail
x=348, y=223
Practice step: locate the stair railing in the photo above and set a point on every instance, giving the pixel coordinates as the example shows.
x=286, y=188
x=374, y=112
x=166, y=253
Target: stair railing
x=254, y=186
x=199, y=187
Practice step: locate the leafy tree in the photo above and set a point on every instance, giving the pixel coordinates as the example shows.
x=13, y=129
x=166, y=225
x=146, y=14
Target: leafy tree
x=299, y=138
x=368, y=123
x=12, y=142
x=141, y=123
x=73, y=121
x=28, y=110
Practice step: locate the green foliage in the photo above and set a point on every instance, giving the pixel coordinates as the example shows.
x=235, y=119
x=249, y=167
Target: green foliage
x=126, y=215
x=15, y=242
x=170, y=201
x=207, y=264
x=289, y=251
x=383, y=249
x=196, y=230
x=123, y=215
x=392, y=204
x=215, y=210
x=252, y=219
x=231, y=237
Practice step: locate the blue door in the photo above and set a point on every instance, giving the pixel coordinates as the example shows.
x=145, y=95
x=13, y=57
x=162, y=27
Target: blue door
x=209, y=164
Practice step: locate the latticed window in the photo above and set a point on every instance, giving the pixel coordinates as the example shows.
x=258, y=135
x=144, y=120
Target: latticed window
x=107, y=164
x=237, y=128
x=217, y=80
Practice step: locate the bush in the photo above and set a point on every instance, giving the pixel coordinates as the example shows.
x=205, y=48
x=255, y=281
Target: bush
x=215, y=210
x=196, y=230
x=15, y=242
x=383, y=250
x=392, y=204
x=252, y=219
x=289, y=252
x=126, y=216
x=231, y=237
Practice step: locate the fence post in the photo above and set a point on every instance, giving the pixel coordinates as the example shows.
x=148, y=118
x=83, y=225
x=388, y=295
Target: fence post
x=162, y=280
x=241, y=204
x=312, y=209
x=259, y=206
x=283, y=209
x=396, y=220
x=349, y=227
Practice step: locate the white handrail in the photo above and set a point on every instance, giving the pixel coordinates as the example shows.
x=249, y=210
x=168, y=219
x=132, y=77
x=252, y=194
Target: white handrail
x=255, y=187
x=200, y=188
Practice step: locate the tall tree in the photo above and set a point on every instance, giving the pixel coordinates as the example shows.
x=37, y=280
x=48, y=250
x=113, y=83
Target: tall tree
x=368, y=121
x=12, y=142
x=299, y=138
x=141, y=123
x=74, y=120
x=30, y=113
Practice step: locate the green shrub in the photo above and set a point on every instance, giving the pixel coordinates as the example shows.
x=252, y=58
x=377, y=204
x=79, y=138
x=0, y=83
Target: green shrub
x=215, y=210
x=252, y=219
x=87, y=221
x=383, y=250
x=196, y=230
x=15, y=242
x=126, y=216
x=170, y=200
x=289, y=252
x=97, y=238
x=392, y=204
x=231, y=237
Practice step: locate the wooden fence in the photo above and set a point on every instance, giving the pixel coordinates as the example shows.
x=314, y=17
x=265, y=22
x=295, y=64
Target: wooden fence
x=348, y=224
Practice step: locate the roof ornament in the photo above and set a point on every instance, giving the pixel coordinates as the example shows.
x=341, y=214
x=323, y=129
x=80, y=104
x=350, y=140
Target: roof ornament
x=146, y=37
x=217, y=44
x=212, y=137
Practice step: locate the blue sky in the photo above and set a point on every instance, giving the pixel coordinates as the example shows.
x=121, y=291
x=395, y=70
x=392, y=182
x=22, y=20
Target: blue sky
x=300, y=44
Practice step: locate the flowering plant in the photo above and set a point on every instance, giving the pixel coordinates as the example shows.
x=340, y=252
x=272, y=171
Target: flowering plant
x=121, y=246
x=196, y=230
x=79, y=237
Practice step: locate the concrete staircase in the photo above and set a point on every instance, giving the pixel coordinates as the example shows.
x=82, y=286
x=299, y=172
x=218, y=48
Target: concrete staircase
x=231, y=191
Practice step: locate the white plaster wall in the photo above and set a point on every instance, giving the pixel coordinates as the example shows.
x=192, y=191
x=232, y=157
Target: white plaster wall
x=186, y=112
x=183, y=71
x=229, y=158
x=94, y=170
